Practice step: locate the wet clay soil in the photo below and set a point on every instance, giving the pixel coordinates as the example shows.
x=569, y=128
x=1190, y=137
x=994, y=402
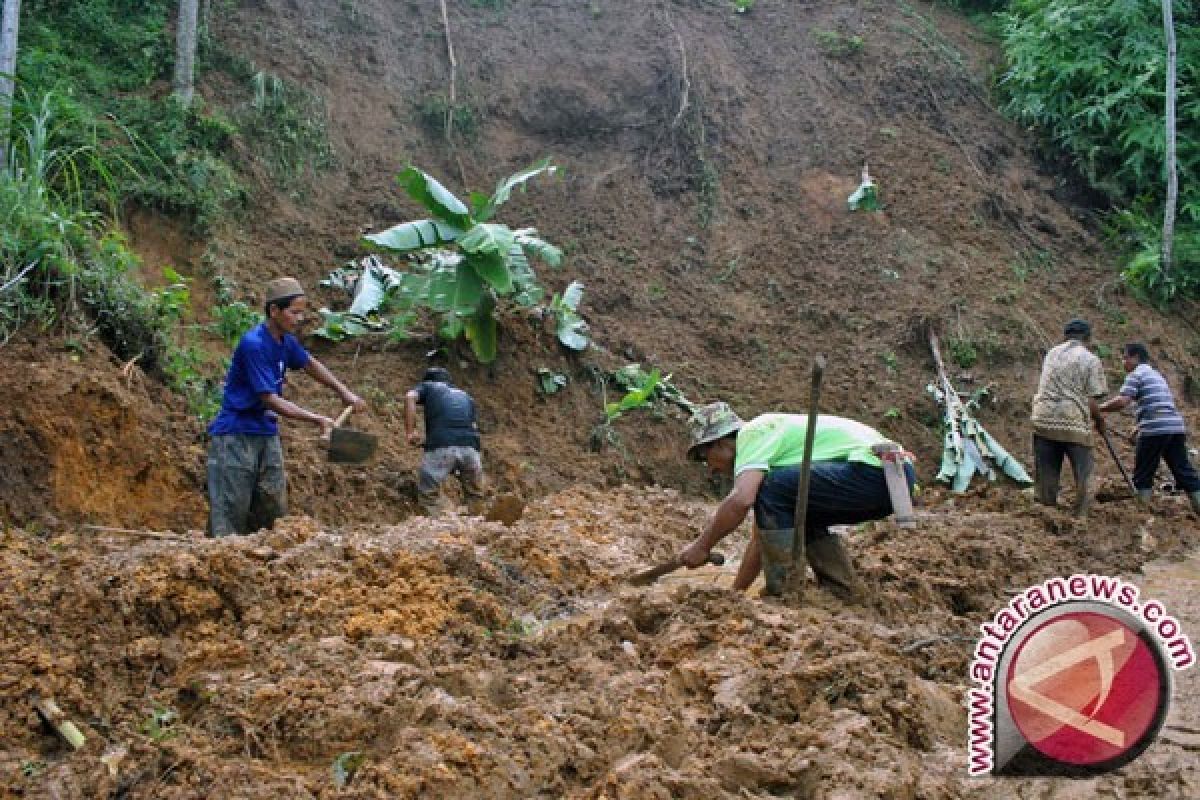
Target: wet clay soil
x=464, y=659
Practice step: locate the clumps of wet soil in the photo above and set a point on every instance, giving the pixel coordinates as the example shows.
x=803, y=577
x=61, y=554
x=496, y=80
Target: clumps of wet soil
x=466, y=658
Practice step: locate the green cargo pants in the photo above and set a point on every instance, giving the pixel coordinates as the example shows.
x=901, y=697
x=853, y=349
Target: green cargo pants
x=247, y=487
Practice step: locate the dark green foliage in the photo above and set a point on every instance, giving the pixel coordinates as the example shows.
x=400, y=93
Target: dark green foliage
x=287, y=126
x=435, y=109
x=92, y=58
x=1091, y=75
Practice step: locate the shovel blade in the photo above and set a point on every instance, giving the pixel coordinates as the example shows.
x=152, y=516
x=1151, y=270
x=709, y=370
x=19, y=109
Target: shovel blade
x=347, y=446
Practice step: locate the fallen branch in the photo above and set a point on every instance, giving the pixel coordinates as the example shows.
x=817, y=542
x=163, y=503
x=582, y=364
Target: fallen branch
x=967, y=448
x=53, y=716
x=172, y=537
x=687, y=84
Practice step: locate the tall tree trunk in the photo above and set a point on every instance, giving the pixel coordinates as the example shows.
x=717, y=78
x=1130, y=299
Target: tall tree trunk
x=185, y=52
x=8, y=69
x=1172, y=169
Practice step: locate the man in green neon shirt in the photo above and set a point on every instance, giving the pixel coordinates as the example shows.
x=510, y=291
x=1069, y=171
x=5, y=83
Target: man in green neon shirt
x=846, y=486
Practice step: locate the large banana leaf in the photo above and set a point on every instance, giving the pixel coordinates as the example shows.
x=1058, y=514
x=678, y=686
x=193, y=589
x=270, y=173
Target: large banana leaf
x=487, y=247
x=414, y=235
x=526, y=291
x=481, y=330
x=530, y=242
x=1008, y=465
x=437, y=199
x=454, y=287
x=504, y=189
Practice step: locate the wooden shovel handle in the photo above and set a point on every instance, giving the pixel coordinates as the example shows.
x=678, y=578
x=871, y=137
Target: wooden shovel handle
x=342, y=417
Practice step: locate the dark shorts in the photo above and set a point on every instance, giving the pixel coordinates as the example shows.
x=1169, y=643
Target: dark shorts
x=839, y=493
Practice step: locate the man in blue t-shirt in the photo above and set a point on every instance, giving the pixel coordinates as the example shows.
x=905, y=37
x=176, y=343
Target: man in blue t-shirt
x=451, y=440
x=1161, y=434
x=247, y=486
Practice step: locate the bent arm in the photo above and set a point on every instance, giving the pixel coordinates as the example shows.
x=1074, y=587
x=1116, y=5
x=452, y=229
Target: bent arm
x=1097, y=416
x=410, y=416
x=726, y=518
x=1117, y=403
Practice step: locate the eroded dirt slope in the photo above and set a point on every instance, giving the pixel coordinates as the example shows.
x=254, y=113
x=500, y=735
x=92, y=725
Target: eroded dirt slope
x=706, y=158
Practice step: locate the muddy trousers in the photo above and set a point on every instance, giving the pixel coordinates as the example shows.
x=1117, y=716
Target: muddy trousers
x=437, y=465
x=825, y=552
x=839, y=493
x=247, y=487
x=1047, y=467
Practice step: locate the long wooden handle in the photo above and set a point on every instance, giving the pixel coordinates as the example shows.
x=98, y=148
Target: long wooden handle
x=342, y=417
x=1112, y=452
x=654, y=573
x=801, y=513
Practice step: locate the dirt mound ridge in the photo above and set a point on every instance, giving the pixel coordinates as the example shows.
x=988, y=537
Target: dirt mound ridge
x=468, y=659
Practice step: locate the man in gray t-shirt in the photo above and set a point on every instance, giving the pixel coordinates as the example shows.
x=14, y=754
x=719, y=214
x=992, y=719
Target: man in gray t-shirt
x=1161, y=434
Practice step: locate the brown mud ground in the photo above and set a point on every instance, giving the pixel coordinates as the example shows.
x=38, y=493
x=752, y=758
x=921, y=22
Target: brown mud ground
x=707, y=159
x=466, y=659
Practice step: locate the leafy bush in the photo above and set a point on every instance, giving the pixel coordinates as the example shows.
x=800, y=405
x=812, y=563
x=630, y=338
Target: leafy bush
x=55, y=256
x=435, y=109
x=1091, y=75
x=287, y=126
x=60, y=262
x=92, y=57
x=838, y=45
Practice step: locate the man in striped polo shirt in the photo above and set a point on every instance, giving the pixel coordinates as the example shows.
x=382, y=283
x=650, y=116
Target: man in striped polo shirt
x=1160, y=430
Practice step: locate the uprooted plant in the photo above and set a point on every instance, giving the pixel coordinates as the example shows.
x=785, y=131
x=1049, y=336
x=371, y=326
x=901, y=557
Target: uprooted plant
x=465, y=263
x=641, y=390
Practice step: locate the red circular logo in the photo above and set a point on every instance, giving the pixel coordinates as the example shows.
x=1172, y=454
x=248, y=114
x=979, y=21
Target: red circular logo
x=1084, y=688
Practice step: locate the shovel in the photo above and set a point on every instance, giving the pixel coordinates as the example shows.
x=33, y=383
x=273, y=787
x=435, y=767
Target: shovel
x=348, y=446
x=649, y=576
x=1112, y=452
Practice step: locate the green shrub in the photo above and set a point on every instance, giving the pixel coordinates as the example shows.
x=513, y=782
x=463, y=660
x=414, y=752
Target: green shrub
x=287, y=126
x=434, y=109
x=1091, y=75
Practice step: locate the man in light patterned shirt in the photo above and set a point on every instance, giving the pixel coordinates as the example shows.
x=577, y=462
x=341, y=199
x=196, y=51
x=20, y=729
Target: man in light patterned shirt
x=1161, y=434
x=1065, y=409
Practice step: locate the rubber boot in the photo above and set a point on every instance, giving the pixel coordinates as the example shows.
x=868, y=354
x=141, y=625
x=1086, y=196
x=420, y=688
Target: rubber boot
x=776, y=549
x=1045, y=487
x=1143, y=496
x=1194, y=497
x=830, y=562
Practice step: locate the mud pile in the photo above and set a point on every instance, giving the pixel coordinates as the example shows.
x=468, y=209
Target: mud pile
x=460, y=658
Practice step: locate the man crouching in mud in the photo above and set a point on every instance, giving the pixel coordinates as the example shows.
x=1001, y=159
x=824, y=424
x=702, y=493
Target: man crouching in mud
x=846, y=486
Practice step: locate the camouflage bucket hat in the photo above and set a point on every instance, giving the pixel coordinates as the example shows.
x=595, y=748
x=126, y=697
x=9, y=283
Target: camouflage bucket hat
x=709, y=423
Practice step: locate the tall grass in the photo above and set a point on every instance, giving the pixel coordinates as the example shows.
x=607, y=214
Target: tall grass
x=60, y=261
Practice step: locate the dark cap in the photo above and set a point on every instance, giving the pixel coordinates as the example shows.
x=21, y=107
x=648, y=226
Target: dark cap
x=1077, y=327
x=437, y=375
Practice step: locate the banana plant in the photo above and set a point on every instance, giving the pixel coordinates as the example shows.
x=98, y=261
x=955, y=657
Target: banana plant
x=476, y=261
